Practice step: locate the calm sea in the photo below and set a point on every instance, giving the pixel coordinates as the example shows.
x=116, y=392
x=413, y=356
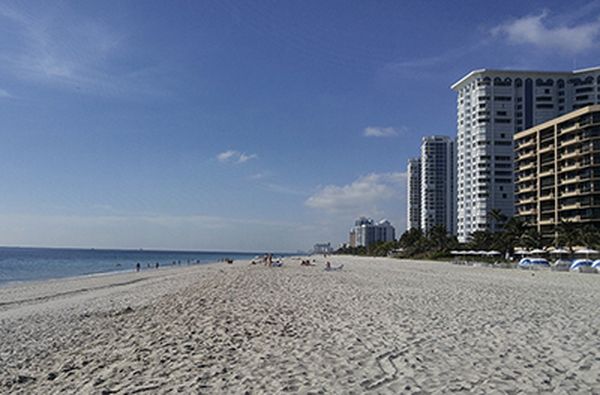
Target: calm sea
x=27, y=264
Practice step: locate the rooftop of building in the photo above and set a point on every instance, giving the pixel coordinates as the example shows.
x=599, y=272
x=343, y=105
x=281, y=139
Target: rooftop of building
x=440, y=138
x=477, y=72
x=563, y=118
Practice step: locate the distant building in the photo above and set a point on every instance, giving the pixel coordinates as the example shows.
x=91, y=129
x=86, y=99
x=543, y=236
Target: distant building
x=366, y=232
x=324, y=248
x=413, y=217
x=493, y=105
x=558, y=171
x=438, y=197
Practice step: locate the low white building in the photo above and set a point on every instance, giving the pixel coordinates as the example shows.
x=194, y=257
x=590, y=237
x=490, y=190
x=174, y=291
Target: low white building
x=366, y=232
x=322, y=248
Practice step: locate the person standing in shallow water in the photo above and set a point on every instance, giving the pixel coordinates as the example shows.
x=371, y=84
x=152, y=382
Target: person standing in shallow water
x=157, y=265
x=137, y=267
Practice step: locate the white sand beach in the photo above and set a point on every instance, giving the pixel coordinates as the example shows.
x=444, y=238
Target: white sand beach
x=380, y=325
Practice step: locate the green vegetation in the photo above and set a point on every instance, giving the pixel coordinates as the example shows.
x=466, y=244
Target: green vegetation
x=513, y=232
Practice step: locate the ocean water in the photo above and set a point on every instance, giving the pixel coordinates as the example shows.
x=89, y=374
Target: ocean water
x=29, y=264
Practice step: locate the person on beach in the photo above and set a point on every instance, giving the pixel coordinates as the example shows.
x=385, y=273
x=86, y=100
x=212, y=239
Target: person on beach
x=137, y=267
x=157, y=265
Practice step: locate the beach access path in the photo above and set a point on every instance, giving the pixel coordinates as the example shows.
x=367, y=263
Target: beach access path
x=380, y=325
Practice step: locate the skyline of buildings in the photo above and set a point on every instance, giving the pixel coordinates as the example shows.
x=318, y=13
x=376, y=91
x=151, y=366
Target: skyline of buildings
x=558, y=171
x=493, y=105
x=527, y=145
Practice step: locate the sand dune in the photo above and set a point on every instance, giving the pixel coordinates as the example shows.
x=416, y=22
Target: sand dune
x=380, y=325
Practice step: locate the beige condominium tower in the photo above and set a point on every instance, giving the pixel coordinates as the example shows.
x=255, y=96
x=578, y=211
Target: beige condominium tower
x=557, y=168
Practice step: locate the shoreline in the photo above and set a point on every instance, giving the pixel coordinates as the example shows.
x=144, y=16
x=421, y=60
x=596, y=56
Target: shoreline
x=380, y=324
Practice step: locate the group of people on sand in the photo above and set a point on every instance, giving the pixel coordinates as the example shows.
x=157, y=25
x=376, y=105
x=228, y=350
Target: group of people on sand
x=307, y=262
x=138, y=266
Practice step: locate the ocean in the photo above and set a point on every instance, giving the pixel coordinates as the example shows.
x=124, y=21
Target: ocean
x=30, y=264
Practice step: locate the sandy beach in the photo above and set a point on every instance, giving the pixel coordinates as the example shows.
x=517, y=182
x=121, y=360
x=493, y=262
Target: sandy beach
x=380, y=325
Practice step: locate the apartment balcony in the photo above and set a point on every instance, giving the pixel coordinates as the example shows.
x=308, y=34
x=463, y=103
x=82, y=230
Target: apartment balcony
x=526, y=155
x=529, y=177
x=569, y=129
x=574, y=166
x=570, y=193
x=531, y=211
x=527, y=166
x=566, y=143
x=528, y=200
x=572, y=206
x=547, y=221
x=571, y=180
x=546, y=149
x=571, y=154
x=526, y=189
x=546, y=173
x=547, y=196
x=526, y=143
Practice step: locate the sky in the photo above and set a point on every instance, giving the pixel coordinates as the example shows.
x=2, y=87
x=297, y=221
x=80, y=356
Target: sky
x=245, y=126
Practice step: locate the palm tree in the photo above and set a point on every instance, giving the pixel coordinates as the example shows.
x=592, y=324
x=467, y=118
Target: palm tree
x=590, y=236
x=439, y=237
x=497, y=217
x=532, y=238
x=513, y=231
x=480, y=240
x=568, y=234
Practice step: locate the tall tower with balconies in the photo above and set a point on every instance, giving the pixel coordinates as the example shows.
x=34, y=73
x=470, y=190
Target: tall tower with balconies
x=493, y=105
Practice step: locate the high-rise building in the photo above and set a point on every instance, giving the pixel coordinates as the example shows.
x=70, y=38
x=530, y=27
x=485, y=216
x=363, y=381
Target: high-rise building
x=558, y=171
x=413, y=212
x=366, y=232
x=493, y=105
x=437, y=183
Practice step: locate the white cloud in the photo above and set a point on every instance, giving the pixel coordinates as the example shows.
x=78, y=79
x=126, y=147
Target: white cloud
x=376, y=131
x=361, y=196
x=535, y=30
x=233, y=156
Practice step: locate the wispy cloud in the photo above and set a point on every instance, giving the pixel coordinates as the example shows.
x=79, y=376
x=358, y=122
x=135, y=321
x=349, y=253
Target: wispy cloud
x=233, y=156
x=377, y=131
x=51, y=46
x=361, y=196
x=539, y=31
x=4, y=94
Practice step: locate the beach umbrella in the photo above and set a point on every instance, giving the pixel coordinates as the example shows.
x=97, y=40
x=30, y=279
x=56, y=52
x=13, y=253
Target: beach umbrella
x=537, y=251
x=559, y=251
x=579, y=264
x=586, y=251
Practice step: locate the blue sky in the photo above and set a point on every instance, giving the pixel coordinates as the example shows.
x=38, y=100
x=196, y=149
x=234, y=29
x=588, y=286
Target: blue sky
x=228, y=125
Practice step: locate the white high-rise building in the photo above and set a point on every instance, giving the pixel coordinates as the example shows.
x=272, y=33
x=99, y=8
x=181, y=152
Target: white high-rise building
x=492, y=105
x=437, y=183
x=413, y=217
